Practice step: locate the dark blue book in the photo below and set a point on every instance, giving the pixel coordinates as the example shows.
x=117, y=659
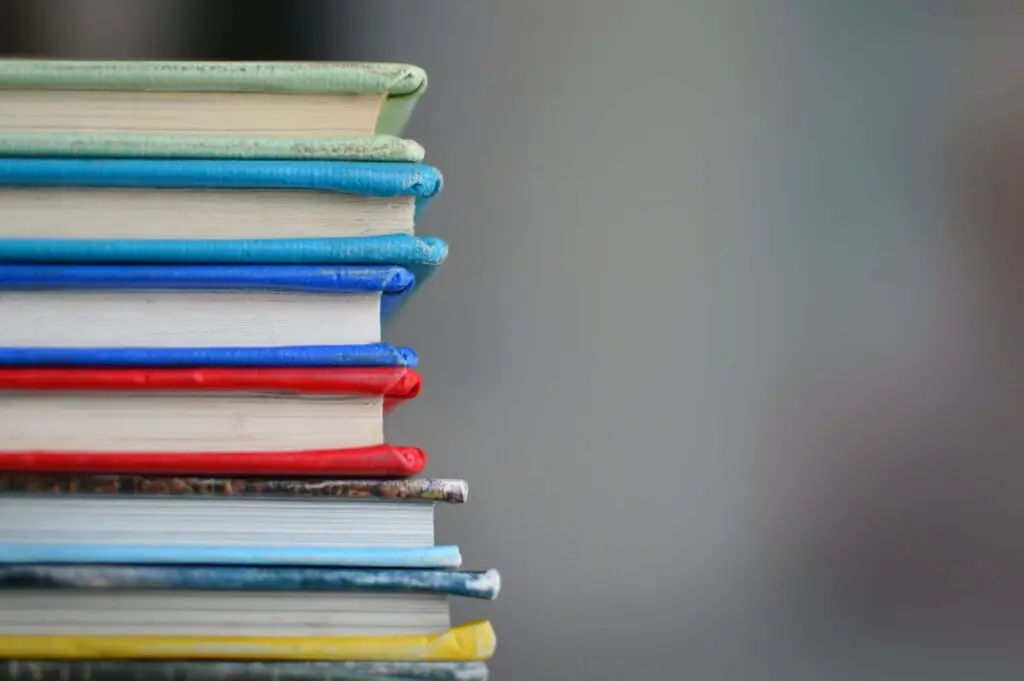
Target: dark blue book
x=215, y=315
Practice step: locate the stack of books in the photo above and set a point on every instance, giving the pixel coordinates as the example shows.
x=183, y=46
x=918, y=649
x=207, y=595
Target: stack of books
x=196, y=260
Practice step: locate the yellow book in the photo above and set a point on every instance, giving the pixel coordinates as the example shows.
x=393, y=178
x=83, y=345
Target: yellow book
x=469, y=642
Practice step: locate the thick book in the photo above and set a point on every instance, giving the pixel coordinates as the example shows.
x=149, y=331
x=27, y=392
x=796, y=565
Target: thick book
x=230, y=203
x=192, y=670
x=205, y=421
x=110, y=519
x=195, y=306
x=220, y=601
x=208, y=109
x=474, y=641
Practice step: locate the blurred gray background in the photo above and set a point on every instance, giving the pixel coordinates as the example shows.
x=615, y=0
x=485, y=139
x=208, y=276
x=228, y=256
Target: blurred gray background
x=728, y=344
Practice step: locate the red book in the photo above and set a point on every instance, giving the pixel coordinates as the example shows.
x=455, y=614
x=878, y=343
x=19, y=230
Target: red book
x=207, y=421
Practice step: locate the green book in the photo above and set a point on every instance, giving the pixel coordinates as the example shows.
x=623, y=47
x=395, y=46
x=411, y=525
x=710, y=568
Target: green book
x=253, y=110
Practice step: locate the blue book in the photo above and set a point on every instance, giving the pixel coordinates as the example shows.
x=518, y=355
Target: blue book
x=470, y=584
x=174, y=315
x=218, y=212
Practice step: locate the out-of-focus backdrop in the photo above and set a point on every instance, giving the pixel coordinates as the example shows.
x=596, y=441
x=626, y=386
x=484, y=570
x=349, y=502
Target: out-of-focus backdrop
x=729, y=342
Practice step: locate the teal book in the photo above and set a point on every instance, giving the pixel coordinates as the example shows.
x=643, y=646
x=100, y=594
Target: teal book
x=194, y=109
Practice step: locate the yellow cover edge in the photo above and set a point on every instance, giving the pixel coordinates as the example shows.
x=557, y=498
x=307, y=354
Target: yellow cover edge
x=473, y=641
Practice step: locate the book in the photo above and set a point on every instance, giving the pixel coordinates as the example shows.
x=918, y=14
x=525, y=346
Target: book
x=474, y=641
x=208, y=109
x=195, y=306
x=210, y=421
x=191, y=670
x=120, y=519
x=212, y=201
x=219, y=601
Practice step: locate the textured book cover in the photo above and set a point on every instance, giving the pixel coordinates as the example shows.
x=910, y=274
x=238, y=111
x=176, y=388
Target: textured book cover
x=401, y=86
x=468, y=584
x=420, y=255
x=432, y=490
x=394, y=383
x=336, y=279
x=185, y=670
x=369, y=355
x=349, y=177
x=385, y=461
x=474, y=641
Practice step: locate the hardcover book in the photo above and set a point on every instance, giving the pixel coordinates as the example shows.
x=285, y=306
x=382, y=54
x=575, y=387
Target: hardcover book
x=195, y=307
x=214, y=201
x=209, y=421
x=208, y=109
x=111, y=519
